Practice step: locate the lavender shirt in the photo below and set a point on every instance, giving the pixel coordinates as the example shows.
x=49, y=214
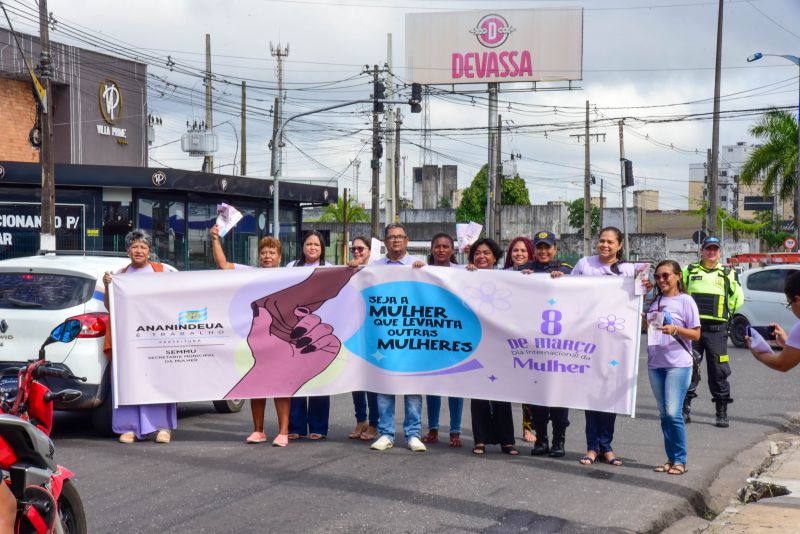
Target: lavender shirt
x=684, y=313
x=794, y=336
x=408, y=259
x=592, y=266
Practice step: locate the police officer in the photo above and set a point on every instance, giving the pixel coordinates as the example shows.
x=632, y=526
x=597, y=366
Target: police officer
x=718, y=295
x=544, y=261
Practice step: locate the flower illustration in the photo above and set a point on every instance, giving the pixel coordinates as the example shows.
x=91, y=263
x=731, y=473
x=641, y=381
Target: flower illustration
x=488, y=298
x=611, y=323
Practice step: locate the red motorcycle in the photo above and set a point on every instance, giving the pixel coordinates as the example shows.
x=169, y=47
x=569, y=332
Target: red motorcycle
x=47, y=499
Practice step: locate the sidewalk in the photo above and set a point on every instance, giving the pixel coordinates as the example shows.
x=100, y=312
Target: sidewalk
x=773, y=494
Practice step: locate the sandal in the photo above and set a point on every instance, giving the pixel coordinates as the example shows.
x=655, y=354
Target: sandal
x=677, y=469
x=316, y=437
x=528, y=435
x=613, y=460
x=509, y=449
x=588, y=460
x=663, y=468
x=455, y=440
x=431, y=437
x=369, y=434
x=293, y=436
x=479, y=449
x=360, y=428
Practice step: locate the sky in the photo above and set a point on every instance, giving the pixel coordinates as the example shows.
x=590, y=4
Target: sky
x=649, y=62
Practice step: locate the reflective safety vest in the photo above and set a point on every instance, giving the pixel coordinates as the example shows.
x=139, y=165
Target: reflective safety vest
x=716, y=291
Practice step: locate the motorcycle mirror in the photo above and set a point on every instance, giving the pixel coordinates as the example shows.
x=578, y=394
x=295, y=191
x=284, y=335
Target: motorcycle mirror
x=63, y=333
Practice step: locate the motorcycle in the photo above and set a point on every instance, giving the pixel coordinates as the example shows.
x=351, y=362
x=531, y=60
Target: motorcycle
x=47, y=499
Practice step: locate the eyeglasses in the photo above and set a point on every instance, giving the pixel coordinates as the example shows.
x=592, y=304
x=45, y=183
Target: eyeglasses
x=662, y=276
x=396, y=237
x=358, y=249
x=789, y=304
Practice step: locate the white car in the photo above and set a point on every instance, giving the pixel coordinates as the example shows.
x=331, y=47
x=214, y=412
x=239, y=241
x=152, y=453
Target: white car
x=39, y=292
x=764, y=300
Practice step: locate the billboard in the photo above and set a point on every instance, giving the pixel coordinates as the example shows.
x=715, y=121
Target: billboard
x=515, y=45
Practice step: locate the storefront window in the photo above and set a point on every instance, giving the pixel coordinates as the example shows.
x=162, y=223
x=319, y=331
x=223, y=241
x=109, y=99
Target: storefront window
x=166, y=222
x=202, y=216
x=289, y=219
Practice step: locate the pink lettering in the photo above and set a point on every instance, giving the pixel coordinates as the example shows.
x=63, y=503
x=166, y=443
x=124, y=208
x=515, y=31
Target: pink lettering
x=480, y=67
x=525, y=64
x=458, y=65
x=503, y=64
x=491, y=65
x=512, y=58
x=467, y=65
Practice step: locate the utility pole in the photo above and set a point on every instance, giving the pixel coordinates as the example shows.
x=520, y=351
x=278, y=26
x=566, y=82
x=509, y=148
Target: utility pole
x=624, y=191
x=279, y=53
x=47, y=239
x=345, y=232
x=404, y=157
x=389, y=207
x=208, y=162
x=587, y=196
x=356, y=165
x=714, y=171
x=375, y=164
x=275, y=149
x=498, y=179
x=492, y=160
x=243, y=161
x=398, y=121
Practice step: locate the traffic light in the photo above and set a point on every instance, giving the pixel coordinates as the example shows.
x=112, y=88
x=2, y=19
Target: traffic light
x=378, y=94
x=628, y=173
x=416, y=98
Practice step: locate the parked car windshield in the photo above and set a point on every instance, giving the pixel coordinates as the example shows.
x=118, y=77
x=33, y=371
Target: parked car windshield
x=44, y=291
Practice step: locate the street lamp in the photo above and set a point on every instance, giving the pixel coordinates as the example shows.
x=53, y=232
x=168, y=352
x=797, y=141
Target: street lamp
x=796, y=61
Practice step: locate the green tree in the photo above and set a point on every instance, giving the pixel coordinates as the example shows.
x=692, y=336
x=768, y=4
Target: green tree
x=335, y=212
x=473, y=201
x=575, y=216
x=772, y=235
x=775, y=160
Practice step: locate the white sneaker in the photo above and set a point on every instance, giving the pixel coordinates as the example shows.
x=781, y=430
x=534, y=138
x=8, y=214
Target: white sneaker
x=416, y=445
x=382, y=443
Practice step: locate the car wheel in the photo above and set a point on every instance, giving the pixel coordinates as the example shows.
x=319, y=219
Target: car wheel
x=229, y=406
x=738, y=331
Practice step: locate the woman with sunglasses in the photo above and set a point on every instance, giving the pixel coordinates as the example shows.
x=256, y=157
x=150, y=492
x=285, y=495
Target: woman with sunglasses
x=366, y=425
x=789, y=356
x=608, y=261
x=674, y=315
x=492, y=421
x=309, y=415
x=442, y=255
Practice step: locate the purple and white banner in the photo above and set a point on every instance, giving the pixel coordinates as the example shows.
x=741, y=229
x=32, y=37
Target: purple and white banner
x=500, y=335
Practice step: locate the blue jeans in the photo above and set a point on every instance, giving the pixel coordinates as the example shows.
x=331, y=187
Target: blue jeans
x=456, y=405
x=362, y=399
x=669, y=387
x=309, y=415
x=412, y=422
x=599, y=431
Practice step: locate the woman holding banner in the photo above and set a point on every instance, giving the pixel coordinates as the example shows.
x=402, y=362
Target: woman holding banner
x=674, y=322
x=600, y=425
x=492, y=422
x=137, y=422
x=519, y=253
x=269, y=256
x=309, y=415
x=366, y=425
x=443, y=255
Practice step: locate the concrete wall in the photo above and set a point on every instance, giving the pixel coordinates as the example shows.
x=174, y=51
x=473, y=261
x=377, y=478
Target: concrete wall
x=527, y=220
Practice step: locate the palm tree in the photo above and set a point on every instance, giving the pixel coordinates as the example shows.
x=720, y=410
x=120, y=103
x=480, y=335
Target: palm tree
x=775, y=161
x=335, y=212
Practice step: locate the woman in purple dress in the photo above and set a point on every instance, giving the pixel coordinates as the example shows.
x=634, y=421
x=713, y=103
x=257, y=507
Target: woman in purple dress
x=138, y=422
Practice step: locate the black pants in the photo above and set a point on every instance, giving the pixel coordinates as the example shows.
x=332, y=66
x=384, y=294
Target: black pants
x=541, y=414
x=713, y=347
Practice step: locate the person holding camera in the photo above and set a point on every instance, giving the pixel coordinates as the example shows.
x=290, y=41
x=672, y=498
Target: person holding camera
x=789, y=356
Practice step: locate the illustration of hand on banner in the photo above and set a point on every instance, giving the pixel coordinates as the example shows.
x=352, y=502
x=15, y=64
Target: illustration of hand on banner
x=290, y=344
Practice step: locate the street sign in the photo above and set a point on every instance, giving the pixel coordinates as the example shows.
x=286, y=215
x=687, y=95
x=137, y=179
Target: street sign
x=789, y=243
x=698, y=236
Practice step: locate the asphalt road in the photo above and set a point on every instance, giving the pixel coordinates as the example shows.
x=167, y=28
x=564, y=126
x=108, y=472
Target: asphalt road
x=209, y=480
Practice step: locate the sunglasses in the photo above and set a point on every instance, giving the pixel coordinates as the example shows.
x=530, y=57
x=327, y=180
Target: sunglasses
x=662, y=276
x=358, y=249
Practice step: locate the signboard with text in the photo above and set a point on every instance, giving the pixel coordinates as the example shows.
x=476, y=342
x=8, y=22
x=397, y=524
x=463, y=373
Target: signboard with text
x=516, y=45
x=21, y=224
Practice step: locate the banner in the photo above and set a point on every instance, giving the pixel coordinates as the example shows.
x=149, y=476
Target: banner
x=500, y=335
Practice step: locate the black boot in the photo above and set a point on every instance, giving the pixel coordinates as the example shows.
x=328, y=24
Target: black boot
x=559, y=436
x=722, y=415
x=687, y=408
x=541, y=447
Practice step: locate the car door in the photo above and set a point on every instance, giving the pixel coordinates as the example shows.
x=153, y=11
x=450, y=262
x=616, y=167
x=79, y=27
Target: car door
x=766, y=298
